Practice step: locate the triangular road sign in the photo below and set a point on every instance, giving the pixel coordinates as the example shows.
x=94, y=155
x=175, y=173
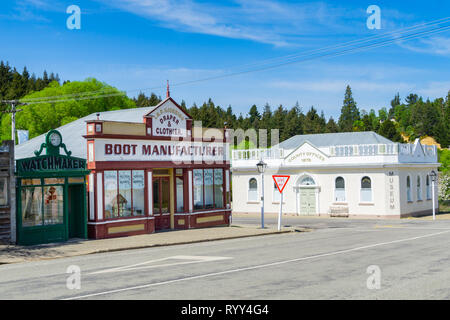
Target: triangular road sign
x=280, y=181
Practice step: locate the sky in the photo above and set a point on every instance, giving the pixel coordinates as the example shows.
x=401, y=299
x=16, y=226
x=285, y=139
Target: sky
x=137, y=45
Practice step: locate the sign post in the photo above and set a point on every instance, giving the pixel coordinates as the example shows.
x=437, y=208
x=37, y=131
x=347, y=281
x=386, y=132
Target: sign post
x=280, y=182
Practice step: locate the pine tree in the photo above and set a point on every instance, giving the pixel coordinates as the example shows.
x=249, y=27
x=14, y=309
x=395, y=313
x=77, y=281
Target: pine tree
x=349, y=112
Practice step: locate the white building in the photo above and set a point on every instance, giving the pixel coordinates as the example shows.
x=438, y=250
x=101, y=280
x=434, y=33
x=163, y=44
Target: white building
x=350, y=174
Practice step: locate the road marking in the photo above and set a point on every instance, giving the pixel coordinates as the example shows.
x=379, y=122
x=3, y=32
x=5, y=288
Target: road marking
x=142, y=265
x=255, y=267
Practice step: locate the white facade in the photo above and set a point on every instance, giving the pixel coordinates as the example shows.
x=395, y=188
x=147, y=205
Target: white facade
x=351, y=180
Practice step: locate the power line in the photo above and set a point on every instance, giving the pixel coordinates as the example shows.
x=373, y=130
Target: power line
x=290, y=59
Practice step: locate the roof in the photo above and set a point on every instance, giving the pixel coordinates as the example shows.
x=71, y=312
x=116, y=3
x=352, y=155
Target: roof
x=73, y=132
x=334, y=139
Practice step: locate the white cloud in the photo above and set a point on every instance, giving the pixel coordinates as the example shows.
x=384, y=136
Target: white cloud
x=435, y=45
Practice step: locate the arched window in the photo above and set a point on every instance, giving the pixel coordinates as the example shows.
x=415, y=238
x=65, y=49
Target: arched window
x=408, y=188
x=366, y=189
x=252, y=190
x=428, y=187
x=339, y=189
x=307, y=181
x=419, y=189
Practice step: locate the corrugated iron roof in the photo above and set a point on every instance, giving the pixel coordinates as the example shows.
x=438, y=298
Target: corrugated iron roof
x=73, y=132
x=334, y=139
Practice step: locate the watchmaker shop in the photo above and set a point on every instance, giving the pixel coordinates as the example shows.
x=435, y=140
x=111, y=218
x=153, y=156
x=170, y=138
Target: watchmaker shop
x=51, y=194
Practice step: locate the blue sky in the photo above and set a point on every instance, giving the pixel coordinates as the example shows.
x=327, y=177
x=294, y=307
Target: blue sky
x=139, y=44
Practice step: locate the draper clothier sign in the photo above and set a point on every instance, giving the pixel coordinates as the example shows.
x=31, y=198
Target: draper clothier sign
x=138, y=150
x=168, y=121
x=50, y=163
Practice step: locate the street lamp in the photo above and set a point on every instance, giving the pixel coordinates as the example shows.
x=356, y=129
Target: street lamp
x=261, y=165
x=433, y=176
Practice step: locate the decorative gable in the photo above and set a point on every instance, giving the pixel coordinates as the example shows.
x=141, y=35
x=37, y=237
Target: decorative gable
x=168, y=119
x=306, y=153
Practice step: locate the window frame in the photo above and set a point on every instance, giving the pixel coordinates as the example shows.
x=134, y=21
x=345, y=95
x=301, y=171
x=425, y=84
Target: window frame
x=213, y=189
x=248, y=190
x=361, y=190
x=133, y=214
x=419, y=188
x=335, y=189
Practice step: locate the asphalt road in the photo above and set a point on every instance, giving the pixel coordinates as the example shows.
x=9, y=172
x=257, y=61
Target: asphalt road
x=331, y=262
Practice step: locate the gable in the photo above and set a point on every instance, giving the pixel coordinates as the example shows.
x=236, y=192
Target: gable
x=306, y=153
x=168, y=119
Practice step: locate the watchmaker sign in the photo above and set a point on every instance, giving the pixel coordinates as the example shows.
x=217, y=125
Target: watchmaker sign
x=169, y=121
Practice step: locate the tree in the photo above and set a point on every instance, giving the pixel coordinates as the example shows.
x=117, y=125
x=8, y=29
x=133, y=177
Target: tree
x=331, y=126
x=349, y=112
x=39, y=118
x=388, y=130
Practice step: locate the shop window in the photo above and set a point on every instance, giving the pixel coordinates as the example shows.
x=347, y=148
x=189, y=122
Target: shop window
x=198, y=188
x=218, y=188
x=41, y=205
x=408, y=189
x=419, y=190
x=180, y=196
x=366, y=189
x=428, y=188
x=208, y=188
x=31, y=206
x=138, y=192
x=3, y=191
x=339, y=189
x=252, y=190
x=124, y=192
x=53, y=205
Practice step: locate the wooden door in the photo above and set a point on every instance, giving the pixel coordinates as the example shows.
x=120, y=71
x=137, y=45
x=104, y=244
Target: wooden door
x=161, y=202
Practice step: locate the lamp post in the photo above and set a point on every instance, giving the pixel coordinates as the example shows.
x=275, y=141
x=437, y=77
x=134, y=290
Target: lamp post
x=433, y=176
x=261, y=165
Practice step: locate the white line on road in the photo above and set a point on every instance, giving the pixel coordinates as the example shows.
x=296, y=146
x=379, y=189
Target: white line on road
x=255, y=267
x=142, y=265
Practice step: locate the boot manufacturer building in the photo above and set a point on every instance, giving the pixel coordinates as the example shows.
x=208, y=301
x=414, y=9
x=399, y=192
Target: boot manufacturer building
x=150, y=169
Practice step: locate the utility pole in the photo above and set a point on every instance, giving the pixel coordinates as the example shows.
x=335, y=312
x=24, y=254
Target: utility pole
x=13, y=112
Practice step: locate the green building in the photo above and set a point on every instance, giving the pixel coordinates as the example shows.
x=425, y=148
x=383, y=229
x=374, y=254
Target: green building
x=51, y=194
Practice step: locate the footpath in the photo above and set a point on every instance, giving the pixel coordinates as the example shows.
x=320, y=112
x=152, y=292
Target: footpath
x=77, y=247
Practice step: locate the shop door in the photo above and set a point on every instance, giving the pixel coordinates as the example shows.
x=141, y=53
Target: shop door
x=161, y=202
x=77, y=211
x=307, y=201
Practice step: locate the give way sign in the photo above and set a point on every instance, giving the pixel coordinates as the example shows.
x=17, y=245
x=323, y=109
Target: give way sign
x=280, y=181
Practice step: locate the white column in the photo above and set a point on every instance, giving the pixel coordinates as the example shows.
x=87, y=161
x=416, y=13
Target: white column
x=91, y=197
x=191, y=207
x=150, y=192
x=99, y=196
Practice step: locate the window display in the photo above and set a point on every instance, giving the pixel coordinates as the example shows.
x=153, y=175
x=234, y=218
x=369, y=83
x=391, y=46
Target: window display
x=218, y=188
x=125, y=193
x=111, y=207
x=31, y=206
x=138, y=192
x=53, y=205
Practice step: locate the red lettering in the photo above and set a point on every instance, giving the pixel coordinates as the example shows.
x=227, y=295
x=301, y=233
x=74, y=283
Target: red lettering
x=146, y=150
x=117, y=149
x=134, y=148
x=126, y=149
x=108, y=148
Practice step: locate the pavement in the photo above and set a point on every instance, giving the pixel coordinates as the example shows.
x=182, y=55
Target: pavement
x=77, y=247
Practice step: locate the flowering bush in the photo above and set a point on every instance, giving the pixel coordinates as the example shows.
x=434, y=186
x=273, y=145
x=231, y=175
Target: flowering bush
x=444, y=186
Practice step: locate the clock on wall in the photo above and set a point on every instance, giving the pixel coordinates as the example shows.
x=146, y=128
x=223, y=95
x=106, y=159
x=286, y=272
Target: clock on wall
x=53, y=142
x=55, y=139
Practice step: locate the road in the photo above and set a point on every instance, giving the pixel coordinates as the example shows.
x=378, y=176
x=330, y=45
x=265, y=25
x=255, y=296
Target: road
x=330, y=262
